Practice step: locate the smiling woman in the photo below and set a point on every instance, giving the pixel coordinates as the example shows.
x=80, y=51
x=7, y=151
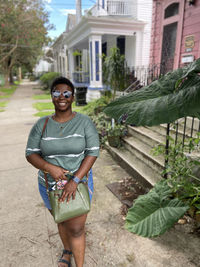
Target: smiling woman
x=64, y=147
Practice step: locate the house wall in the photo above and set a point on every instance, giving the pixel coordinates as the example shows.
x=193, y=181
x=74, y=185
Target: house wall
x=188, y=21
x=144, y=13
x=191, y=27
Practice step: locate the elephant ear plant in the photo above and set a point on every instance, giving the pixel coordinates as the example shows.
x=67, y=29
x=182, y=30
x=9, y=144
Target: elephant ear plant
x=173, y=96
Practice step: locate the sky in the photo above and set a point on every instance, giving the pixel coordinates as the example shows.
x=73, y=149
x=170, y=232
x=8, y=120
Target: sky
x=58, y=11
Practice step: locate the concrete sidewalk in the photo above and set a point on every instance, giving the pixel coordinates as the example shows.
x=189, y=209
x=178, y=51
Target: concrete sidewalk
x=28, y=234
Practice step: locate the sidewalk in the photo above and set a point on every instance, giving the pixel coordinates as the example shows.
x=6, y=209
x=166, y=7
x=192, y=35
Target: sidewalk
x=28, y=234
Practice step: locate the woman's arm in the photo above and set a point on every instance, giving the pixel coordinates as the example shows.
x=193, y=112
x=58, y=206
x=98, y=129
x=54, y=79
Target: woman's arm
x=70, y=188
x=55, y=171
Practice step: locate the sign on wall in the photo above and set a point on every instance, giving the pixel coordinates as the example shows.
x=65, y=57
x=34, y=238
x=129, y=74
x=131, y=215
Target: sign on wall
x=189, y=43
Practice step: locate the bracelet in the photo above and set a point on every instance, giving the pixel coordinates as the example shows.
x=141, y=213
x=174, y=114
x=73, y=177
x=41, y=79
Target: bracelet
x=76, y=179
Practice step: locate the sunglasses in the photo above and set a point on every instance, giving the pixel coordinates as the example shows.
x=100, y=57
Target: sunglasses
x=66, y=94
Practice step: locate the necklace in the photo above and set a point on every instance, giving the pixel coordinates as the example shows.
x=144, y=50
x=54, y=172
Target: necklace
x=63, y=123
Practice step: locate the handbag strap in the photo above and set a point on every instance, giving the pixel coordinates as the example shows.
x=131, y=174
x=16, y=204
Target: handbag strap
x=45, y=173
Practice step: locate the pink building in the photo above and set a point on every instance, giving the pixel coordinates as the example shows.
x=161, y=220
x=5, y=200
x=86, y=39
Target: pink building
x=175, y=37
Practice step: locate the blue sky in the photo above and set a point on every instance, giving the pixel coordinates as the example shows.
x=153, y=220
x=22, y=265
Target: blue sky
x=58, y=11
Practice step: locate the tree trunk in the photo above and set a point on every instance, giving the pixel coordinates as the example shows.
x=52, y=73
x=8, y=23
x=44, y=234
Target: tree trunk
x=7, y=77
x=11, y=77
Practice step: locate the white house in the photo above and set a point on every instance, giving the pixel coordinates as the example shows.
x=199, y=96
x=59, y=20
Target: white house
x=44, y=64
x=122, y=23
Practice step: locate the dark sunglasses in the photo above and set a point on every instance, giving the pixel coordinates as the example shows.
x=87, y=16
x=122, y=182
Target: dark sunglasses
x=66, y=94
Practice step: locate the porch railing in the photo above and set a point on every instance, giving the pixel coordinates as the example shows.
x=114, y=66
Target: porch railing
x=81, y=77
x=119, y=8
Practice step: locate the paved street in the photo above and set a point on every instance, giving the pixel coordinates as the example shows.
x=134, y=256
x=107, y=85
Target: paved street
x=28, y=234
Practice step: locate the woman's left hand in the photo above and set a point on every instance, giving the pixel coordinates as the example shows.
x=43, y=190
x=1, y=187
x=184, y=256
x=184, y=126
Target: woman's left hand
x=69, y=191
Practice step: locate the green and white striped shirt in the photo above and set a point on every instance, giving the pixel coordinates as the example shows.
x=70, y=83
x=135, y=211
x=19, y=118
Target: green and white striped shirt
x=63, y=144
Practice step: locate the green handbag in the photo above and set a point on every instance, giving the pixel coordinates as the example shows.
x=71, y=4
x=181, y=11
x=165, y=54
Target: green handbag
x=63, y=211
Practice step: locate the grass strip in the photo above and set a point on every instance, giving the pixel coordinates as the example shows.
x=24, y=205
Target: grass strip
x=41, y=97
x=3, y=104
x=44, y=113
x=40, y=106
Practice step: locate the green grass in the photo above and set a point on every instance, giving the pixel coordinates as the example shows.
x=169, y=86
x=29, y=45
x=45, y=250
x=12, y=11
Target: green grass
x=40, y=106
x=7, y=92
x=43, y=96
x=43, y=113
x=3, y=104
x=1, y=110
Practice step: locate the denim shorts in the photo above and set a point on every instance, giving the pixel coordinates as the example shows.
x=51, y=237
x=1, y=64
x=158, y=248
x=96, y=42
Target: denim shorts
x=44, y=195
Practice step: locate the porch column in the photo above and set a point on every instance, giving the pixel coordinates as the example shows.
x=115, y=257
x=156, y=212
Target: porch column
x=71, y=63
x=139, y=49
x=95, y=63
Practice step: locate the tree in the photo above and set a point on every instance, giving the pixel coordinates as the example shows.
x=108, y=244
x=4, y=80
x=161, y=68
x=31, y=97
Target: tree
x=114, y=70
x=23, y=33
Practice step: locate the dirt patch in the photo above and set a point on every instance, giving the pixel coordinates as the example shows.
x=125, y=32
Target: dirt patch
x=127, y=190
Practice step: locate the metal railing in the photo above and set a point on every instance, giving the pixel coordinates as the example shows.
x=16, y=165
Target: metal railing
x=81, y=77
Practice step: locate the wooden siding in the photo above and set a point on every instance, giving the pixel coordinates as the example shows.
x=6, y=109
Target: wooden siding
x=190, y=26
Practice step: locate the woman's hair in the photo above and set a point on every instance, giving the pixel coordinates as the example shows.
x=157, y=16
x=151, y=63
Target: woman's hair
x=62, y=80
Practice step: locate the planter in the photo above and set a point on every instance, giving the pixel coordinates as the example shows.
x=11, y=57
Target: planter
x=114, y=141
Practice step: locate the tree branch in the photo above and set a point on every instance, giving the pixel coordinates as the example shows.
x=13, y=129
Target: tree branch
x=11, y=51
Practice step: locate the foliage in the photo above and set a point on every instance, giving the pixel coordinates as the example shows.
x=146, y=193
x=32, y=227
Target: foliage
x=114, y=70
x=181, y=168
x=47, y=79
x=117, y=130
x=174, y=95
x=155, y=212
x=102, y=123
x=23, y=33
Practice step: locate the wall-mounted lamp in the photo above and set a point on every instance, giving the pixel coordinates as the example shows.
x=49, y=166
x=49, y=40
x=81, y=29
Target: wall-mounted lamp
x=191, y=2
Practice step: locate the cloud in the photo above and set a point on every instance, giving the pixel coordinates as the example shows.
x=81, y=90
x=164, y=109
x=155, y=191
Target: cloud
x=47, y=1
x=65, y=12
x=48, y=8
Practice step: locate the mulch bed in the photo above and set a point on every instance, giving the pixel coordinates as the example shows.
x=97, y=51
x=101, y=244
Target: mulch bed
x=126, y=190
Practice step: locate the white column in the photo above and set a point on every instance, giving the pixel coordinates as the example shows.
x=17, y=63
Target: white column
x=95, y=56
x=71, y=63
x=139, y=49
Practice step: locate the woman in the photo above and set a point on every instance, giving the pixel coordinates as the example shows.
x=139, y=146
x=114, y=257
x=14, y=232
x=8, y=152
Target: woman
x=69, y=143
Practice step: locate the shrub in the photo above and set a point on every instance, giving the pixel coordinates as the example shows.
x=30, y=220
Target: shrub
x=47, y=79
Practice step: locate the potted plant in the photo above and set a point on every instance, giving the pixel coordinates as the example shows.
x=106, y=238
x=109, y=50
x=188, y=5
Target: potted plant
x=114, y=134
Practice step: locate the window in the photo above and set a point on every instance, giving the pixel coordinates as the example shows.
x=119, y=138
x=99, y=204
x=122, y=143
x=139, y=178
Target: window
x=172, y=10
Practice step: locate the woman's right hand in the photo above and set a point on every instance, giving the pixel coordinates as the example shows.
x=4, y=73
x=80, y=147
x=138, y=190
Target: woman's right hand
x=58, y=173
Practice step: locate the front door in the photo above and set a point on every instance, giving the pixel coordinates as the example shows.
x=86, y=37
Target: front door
x=168, y=47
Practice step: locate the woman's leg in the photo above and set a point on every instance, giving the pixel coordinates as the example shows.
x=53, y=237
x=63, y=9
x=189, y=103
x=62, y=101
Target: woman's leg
x=65, y=240
x=73, y=237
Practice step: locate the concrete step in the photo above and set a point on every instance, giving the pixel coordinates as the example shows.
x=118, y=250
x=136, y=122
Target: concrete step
x=162, y=129
x=136, y=167
x=147, y=135
x=144, y=153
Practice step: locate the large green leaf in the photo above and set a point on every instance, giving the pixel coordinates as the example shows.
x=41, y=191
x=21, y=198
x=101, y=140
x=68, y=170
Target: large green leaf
x=154, y=213
x=173, y=96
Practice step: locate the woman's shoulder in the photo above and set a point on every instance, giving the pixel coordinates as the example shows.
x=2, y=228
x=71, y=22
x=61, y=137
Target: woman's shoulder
x=83, y=117
x=41, y=121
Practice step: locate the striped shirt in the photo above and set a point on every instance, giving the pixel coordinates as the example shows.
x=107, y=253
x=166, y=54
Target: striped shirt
x=63, y=144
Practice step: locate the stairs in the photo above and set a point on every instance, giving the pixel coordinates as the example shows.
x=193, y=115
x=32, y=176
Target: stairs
x=136, y=153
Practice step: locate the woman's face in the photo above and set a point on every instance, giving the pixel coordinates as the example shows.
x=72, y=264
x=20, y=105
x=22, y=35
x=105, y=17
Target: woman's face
x=60, y=102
